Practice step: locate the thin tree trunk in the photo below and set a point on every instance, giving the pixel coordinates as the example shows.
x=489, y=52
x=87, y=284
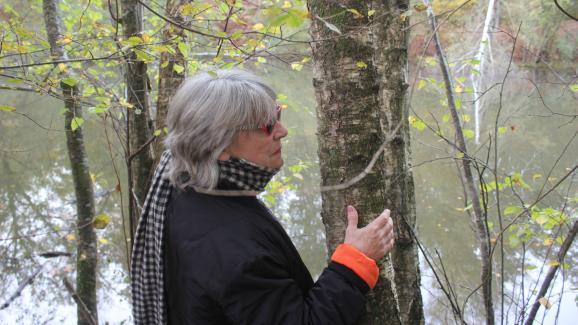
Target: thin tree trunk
x=479, y=217
x=139, y=162
x=86, y=255
x=359, y=81
x=552, y=271
x=477, y=81
x=169, y=78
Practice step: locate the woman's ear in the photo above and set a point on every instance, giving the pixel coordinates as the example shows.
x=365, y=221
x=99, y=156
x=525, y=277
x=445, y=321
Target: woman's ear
x=224, y=156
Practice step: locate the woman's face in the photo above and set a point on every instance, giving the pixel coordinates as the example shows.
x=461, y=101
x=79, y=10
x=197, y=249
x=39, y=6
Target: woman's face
x=258, y=147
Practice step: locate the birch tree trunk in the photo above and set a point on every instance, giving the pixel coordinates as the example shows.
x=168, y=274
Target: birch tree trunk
x=86, y=254
x=169, y=77
x=359, y=80
x=139, y=162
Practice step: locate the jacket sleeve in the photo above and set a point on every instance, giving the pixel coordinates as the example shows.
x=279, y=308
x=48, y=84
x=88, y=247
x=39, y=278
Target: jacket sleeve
x=261, y=291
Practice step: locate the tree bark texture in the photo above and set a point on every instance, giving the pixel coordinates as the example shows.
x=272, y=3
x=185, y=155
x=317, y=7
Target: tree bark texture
x=169, y=79
x=86, y=256
x=360, y=83
x=138, y=127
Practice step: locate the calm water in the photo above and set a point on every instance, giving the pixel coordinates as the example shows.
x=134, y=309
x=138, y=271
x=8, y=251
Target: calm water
x=37, y=206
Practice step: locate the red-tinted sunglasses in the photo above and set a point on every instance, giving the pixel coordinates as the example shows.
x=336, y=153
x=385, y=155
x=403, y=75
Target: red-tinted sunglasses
x=267, y=128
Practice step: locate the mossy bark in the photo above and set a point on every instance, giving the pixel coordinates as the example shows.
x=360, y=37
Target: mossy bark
x=359, y=80
x=86, y=253
x=169, y=79
x=138, y=121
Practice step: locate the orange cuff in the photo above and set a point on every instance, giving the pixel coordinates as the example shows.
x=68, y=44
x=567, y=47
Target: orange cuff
x=363, y=266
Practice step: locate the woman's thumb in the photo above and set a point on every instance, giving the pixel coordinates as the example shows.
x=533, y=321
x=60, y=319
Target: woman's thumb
x=352, y=217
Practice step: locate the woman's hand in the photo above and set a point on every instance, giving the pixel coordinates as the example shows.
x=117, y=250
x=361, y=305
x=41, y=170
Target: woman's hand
x=374, y=240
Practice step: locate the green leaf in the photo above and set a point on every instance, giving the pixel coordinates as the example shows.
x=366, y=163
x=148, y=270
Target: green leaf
x=76, y=123
x=416, y=123
x=512, y=210
x=101, y=221
x=212, y=74
x=178, y=68
x=70, y=81
x=461, y=79
x=157, y=132
x=236, y=35
x=361, y=64
x=144, y=56
x=134, y=40
x=502, y=130
x=468, y=134
x=370, y=13
x=472, y=61
x=476, y=72
x=183, y=49
x=574, y=88
x=421, y=84
x=458, y=103
x=7, y=108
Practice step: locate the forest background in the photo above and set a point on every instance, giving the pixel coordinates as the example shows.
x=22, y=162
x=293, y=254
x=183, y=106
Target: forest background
x=517, y=70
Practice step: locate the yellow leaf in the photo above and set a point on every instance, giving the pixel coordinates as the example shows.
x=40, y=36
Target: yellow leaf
x=66, y=39
x=62, y=67
x=419, y=7
x=286, y=5
x=296, y=66
x=361, y=64
x=258, y=26
x=544, y=301
x=124, y=103
x=370, y=13
x=103, y=241
x=548, y=241
x=421, y=84
x=536, y=176
x=459, y=89
x=70, y=237
x=553, y=263
x=355, y=13
x=402, y=18
x=101, y=221
x=146, y=38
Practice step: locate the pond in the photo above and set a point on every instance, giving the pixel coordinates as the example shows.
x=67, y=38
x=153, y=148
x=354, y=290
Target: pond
x=37, y=207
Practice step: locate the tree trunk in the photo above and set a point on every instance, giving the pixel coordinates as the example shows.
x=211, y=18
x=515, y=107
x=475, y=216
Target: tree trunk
x=169, y=79
x=467, y=164
x=359, y=81
x=139, y=162
x=86, y=256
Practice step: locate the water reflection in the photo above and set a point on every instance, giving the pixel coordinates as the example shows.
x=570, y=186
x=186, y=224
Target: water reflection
x=37, y=215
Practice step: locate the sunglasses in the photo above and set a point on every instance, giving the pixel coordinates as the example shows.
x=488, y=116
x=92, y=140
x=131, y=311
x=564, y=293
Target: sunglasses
x=267, y=128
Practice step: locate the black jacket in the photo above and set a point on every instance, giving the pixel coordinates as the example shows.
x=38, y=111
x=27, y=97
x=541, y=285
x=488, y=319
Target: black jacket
x=229, y=261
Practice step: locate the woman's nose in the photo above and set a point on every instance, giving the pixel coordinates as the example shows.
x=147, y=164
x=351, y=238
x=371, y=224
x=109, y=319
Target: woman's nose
x=280, y=131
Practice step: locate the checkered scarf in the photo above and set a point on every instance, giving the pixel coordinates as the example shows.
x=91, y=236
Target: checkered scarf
x=236, y=177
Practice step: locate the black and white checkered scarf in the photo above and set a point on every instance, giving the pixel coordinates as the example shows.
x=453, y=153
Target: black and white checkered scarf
x=236, y=177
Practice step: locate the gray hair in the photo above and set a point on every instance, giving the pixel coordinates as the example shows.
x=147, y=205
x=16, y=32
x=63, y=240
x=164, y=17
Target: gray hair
x=204, y=116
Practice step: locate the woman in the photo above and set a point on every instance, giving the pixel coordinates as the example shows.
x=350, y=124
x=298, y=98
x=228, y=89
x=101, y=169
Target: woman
x=207, y=251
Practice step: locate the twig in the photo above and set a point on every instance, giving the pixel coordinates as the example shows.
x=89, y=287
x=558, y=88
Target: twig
x=564, y=11
x=389, y=137
x=21, y=287
x=552, y=272
x=70, y=288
